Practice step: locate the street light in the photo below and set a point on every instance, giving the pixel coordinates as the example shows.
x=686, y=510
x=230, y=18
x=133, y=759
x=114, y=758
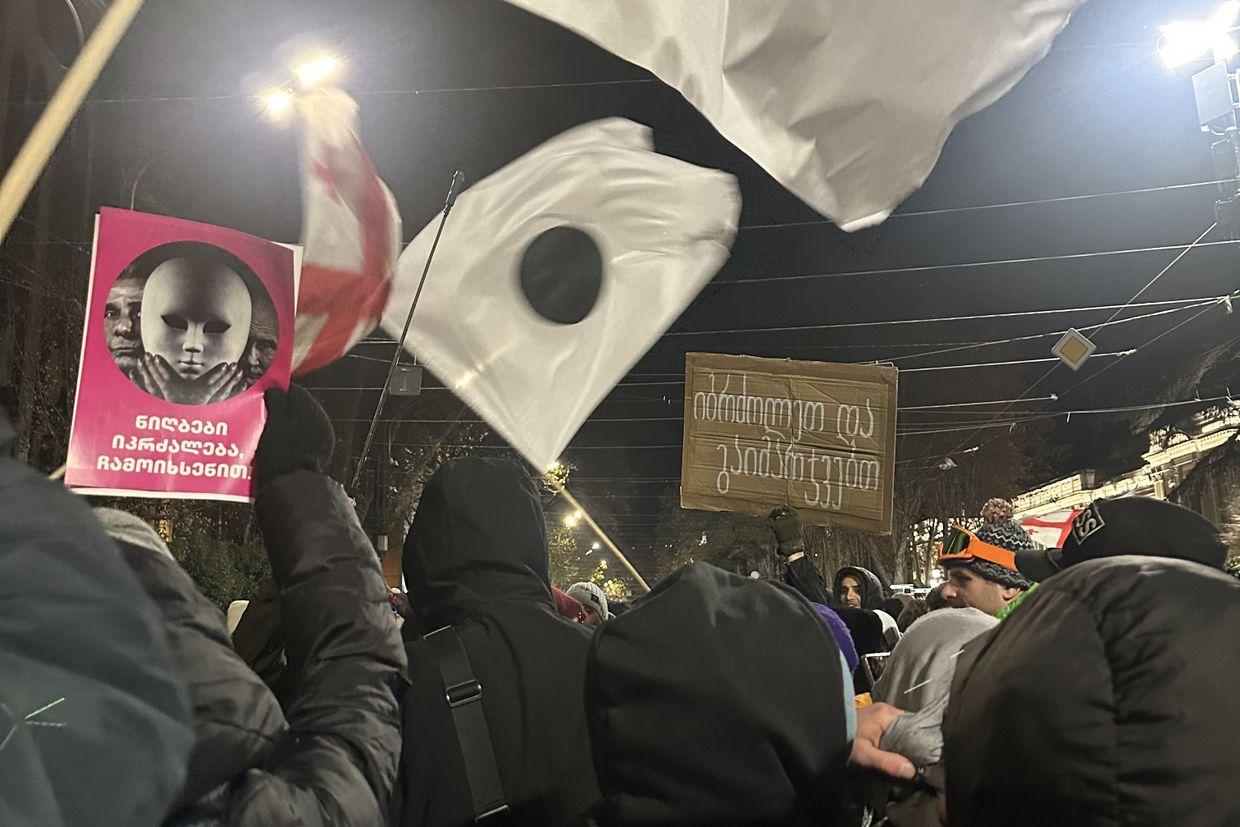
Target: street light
x=1188, y=40
x=595, y=546
x=316, y=70
x=277, y=102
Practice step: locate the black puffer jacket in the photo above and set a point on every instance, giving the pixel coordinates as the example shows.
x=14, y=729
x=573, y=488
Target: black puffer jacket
x=95, y=725
x=335, y=761
x=1108, y=697
x=338, y=765
x=476, y=559
x=237, y=722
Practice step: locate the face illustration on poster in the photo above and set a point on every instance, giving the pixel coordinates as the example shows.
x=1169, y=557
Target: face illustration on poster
x=122, y=322
x=190, y=323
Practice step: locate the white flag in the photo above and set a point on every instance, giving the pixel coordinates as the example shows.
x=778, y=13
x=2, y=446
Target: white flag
x=557, y=273
x=350, y=232
x=847, y=103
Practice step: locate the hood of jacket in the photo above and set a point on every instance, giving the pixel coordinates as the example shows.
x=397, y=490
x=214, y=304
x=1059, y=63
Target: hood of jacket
x=237, y=721
x=718, y=699
x=477, y=538
x=872, y=593
x=1118, y=674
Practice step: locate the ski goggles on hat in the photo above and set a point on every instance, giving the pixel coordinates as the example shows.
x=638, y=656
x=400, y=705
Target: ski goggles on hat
x=962, y=546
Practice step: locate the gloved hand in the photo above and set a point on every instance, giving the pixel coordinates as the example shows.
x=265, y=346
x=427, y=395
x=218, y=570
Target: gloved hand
x=787, y=527
x=298, y=435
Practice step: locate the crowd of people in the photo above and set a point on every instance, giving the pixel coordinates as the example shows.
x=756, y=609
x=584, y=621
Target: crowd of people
x=1096, y=684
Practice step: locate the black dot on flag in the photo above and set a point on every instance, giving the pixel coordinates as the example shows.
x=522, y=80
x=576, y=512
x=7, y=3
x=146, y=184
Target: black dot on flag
x=562, y=274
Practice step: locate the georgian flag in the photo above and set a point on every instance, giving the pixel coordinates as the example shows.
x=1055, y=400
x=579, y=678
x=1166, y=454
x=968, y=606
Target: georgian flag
x=557, y=273
x=847, y=103
x=1050, y=530
x=351, y=234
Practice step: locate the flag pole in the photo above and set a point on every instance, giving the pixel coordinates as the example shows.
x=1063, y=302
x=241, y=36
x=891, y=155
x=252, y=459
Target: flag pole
x=453, y=190
x=61, y=109
x=602, y=535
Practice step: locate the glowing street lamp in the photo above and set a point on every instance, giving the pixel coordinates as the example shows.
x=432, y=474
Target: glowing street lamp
x=1188, y=40
x=316, y=70
x=303, y=74
x=277, y=102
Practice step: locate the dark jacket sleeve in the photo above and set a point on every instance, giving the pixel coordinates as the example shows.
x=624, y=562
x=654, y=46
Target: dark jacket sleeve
x=259, y=636
x=801, y=575
x=339, y=764
x=237, y=721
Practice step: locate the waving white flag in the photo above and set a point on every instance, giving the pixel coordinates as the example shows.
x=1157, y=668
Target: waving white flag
x=847, y=103
x=557, y=273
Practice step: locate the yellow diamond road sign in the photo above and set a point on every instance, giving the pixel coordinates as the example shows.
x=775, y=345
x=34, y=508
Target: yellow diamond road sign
x=1074, y=349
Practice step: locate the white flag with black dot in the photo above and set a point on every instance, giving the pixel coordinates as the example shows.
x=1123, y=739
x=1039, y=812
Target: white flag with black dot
x=557, y=273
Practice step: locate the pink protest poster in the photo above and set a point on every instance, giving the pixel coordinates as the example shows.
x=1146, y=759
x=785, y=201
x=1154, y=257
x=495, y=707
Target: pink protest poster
x=186, y=326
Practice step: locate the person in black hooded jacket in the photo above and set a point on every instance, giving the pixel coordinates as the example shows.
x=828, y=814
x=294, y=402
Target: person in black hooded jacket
x=476, y=559
x=723, y=700
x=859, y=588
x=333, y=761
x=1107, y=697
x=800, y=573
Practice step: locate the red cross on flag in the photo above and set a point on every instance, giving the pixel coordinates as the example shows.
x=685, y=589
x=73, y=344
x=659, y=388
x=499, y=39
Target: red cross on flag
x=1051, y=530
x=350, y=234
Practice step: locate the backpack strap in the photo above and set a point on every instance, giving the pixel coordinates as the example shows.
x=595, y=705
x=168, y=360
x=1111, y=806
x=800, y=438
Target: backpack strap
x=463, y=693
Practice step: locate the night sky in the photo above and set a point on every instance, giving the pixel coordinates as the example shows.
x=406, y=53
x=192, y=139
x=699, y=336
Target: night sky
x=475, y=83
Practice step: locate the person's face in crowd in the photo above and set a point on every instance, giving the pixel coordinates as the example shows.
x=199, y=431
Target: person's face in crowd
x=122, y=316
x=593, y=619
x=964, y=590
x=195, y=316
x=850, y=592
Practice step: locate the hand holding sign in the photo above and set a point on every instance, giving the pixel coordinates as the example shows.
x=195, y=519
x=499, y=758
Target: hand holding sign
x=298, y=435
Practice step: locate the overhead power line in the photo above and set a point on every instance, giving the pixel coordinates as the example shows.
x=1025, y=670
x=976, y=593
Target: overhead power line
x=938, y=428
x=1035, y=202
x=964, y=265
x=972, y=317
x=1059, y=331
x=1159, y=275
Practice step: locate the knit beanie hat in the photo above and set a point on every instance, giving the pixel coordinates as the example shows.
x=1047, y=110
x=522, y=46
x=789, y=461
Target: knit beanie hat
x=590, y=596
x=997, y=510
x=1006, y=534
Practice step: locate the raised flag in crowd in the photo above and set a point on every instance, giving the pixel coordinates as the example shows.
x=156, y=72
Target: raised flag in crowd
x=847, y=103
x=351, y=233
x=557, y=273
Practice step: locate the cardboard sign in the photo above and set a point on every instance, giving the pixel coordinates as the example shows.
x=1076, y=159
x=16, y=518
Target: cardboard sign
x=186, y=326
x=816, y=436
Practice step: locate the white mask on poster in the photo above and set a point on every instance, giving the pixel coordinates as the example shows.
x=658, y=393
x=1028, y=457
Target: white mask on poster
x=195, y=315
